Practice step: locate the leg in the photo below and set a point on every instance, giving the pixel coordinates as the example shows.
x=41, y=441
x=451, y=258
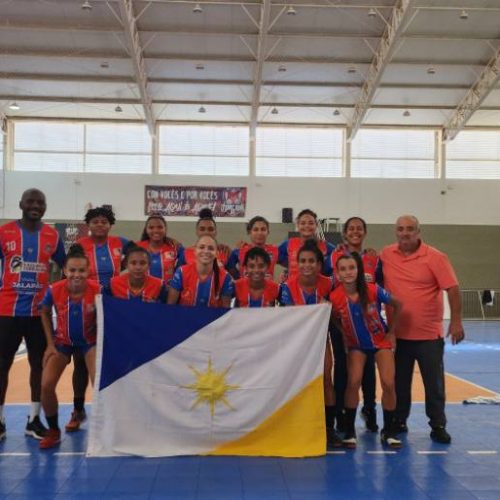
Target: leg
x=10, y=340
x=53, y=369
x=35, y=345
x=339, y=374
x=327, y=374
x=80, y=382
x=387, y=371
x=355, y=366
x=405, y=362
x=368, y=385
x=430, y=362
x=90, y=362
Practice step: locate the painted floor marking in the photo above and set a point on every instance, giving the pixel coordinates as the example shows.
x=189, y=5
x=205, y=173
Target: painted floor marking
x=432, y=452
x=15, y=454
x=69, y=453
x=482, y=452
x=336, y=452
x=378, y=452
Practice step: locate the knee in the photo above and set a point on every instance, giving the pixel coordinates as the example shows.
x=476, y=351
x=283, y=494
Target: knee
x=388, y=386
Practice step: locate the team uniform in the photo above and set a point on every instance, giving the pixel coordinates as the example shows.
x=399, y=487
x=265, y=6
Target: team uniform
x=237, y=257
x=163, y=263
x=292, y=294
x=104, y=259
x=76, y=320
x=288, y=252
x=188, y=256
x=245, y=299
x=363, y=330
x=24, y=261
x=195, y=292
x=154, y=289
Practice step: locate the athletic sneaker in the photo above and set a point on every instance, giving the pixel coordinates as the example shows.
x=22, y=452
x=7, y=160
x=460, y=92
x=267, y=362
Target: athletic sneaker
x=400, y=427
x=333, y=440
x=440, y=435
x=390, y=439
x=349, y=440
x=35, y=428
x=77, y=418
x=51, y=439
x=3, y=430
x=370, y=418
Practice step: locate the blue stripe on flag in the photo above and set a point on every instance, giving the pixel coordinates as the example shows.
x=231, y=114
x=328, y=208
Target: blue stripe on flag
x=130, y=327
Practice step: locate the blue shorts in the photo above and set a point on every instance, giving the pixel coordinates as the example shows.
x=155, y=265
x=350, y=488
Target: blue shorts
x=69, y=350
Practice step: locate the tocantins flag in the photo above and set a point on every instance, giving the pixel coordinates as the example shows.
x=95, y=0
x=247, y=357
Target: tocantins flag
x=174, y=380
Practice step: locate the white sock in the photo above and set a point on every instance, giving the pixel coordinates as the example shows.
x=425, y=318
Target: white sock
x=1, y=413
x=35, y=410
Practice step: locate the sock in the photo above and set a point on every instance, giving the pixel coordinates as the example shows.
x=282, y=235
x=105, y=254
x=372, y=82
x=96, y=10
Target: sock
x=350, y=418
x=53, y=422
x=1, y=414
x=330, y=416
x=78, y=403
x=35, y=410
x=389, y=419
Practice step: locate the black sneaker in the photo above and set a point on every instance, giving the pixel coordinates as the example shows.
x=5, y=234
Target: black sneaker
x=349, y=440
x=439, y=435
x=389, y=438
x=400, y=427
x=370, y=418
x=333, y=440
x=3, y=430
x=35, y=428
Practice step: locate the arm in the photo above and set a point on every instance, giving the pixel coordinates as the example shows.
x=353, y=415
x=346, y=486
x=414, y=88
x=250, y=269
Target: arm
x=226, y=301
x=396, y=312
x=173, y=296
x=46, y=317
x=455, y=329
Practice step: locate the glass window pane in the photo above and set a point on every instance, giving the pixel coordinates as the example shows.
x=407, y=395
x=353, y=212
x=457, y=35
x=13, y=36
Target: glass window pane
x=118, y=163
x=48, y=136
x=48, y=162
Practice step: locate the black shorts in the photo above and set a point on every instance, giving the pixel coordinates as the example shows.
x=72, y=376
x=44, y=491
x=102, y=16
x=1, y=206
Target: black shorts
x=14, y=329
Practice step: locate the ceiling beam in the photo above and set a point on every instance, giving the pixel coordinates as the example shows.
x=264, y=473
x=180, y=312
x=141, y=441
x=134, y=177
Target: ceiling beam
x=265, y=21
x=472, y=101
x=399, y=18
x=134, y=45
x=197, y=102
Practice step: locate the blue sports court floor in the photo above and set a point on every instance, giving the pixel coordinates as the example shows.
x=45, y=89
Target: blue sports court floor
x=469, y=468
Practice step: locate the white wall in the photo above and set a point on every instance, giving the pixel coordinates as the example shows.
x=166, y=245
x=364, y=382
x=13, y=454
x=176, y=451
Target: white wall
x=377, y=200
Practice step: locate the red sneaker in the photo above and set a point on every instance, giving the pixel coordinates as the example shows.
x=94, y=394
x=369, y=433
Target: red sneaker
x=77, y=418
x=51, y=440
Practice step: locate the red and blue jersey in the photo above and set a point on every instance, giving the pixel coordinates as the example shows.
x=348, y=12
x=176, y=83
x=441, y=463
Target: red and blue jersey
x=76, y=319
x=292, y=294
x=24, y=261
x=153, y=290
x=370, y=264
x=104, y=259
x=244, y=297
x=162, y=264
x=288, y=253
x=237, y=257
x=196, y=292
x=188, y=256
x=362, y=329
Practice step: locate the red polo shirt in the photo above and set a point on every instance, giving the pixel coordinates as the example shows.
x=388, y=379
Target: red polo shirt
x=418, y=280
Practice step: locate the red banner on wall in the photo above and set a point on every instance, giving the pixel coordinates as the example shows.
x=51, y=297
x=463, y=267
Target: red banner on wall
x=189, y=200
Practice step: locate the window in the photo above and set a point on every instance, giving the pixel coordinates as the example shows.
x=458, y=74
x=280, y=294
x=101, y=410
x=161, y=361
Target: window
x=473, y=155
x=299, y=152
x=203, y=150
x=393, y=154
x=82, y=147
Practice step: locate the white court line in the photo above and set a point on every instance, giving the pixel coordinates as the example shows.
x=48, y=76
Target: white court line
x=69, y=453
x=482, y=452
x=337, y=452
x=381, y=452
x=429, y=452
x=471, y=383
x=15, y=454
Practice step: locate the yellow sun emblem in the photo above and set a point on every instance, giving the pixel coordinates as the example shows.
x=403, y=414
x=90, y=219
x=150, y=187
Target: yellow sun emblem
x=211, y=387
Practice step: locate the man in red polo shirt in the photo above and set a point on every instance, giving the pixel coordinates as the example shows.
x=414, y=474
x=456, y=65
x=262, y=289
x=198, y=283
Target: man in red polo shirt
x=417, y=274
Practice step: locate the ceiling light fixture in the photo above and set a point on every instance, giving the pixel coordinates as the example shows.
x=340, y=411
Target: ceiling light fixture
x=14, y=106
x=86, y=5
x=291, y=11
x=197, y=9
x=351, y=69
x=431, y=70
x=336, y=112
x=406, y=113
x=200, y=67
x=274, y=111
x=118, y=109
x=201, y=109
x=105, y=65
x=281, y=68
x=372, y=12
x=464, y=15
